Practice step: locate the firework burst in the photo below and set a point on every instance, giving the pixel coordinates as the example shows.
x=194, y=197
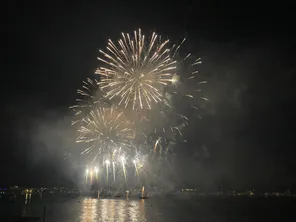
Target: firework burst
x=150, y=84
x=89, y=96
x=105, y=129
x=136, y=70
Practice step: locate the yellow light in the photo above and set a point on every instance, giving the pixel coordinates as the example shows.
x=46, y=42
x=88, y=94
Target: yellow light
x=175, y=79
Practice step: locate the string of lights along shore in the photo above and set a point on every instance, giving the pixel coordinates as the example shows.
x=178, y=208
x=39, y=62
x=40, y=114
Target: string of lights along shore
x=132, y=116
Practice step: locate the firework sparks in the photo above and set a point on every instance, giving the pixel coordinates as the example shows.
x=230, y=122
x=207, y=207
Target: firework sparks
x=148, y=75
x=105, y=129
x=89, y=95
x=137, y=70
x=189, y=86
x=159, y=126
x=150, y=84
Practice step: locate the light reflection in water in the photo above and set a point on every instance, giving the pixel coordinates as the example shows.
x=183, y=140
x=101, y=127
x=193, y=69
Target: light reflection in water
x=119, y=210
x=112, y=208
x=27, y=201
x=28, y=198
x=134, y=212
x=142, y=209
x=89, y=210
x=104, y=209
x=121, y=204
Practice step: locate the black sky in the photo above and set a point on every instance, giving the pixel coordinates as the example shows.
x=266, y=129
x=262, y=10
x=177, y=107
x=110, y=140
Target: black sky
x=247, y=136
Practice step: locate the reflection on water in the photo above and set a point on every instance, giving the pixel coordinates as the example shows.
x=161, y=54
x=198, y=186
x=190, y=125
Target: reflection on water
x=121, y=211
x=103, y=209
x=84, y=209
x=112, y=210
x=136, y=211
x=89, y=210
x=28, y=197
x=142, y=208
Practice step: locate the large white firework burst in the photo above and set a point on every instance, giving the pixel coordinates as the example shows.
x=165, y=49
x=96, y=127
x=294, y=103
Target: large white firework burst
x=105, y=130
x=137, y=69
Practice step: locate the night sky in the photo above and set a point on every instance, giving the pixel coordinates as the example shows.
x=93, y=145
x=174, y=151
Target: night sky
x=247, y=135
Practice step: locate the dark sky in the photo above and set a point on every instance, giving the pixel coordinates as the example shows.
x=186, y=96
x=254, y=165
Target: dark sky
x=247, y=136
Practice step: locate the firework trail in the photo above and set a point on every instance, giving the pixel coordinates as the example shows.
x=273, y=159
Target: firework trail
x=136, y=70
x=104, y=129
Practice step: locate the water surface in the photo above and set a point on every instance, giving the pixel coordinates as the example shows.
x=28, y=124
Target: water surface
x=85, y=209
